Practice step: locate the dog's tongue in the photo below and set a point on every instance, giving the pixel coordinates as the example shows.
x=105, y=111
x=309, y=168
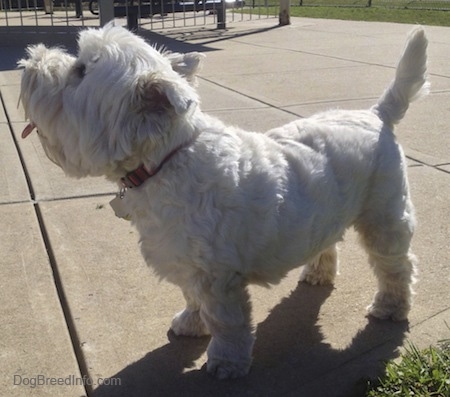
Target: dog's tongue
x=28, y=130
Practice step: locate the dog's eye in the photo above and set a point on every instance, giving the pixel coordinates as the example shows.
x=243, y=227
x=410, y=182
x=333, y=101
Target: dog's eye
x=80, y=70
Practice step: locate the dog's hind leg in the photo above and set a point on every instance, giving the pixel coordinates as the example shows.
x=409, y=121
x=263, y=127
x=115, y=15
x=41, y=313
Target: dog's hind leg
x=387, y=238
x=322, y=269
x=395, y=276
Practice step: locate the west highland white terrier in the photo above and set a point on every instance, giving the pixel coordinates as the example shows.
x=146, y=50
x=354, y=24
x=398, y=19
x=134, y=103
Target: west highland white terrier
x=217, y=207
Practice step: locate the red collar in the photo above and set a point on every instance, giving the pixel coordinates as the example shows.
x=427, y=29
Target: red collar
x=138, y=176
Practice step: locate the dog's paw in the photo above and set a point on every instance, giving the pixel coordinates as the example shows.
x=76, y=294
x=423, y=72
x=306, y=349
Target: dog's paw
x=232, y=358
x=315, y=279
x=387, y=307
x=188, y=323
x=223, y=369
x=317, y=276
x=322, y=269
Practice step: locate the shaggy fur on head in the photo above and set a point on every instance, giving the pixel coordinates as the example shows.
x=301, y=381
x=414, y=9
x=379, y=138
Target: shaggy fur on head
x=230, y=207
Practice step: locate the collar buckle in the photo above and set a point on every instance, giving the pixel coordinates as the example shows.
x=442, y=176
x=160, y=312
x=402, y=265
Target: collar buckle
x=138, y=176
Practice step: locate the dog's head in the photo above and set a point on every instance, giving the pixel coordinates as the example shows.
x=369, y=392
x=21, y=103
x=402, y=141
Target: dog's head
x=118, y=101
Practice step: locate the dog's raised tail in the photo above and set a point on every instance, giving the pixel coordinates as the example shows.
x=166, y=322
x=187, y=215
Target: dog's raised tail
x=410, y=80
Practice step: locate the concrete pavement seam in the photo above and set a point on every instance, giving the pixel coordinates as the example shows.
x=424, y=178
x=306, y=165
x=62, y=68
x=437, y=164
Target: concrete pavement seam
x=247, y=96
x=435, y=166
x=76, y=345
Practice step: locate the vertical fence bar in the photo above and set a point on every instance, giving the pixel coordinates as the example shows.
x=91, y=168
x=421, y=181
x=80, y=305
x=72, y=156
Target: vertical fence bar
x=106, y=11
x=35, y=9
x=48, y=6
x=151, y=15
x=132, y=18
x=221, y=15
x=173, y=14
x=285, y=16
x=6, y=12
x=66, y=7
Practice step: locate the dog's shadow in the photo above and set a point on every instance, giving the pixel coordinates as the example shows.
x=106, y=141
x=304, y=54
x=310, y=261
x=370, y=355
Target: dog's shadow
x=290, y=358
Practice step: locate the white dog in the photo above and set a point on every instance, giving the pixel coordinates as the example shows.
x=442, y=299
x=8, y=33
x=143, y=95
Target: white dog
x=217, y=207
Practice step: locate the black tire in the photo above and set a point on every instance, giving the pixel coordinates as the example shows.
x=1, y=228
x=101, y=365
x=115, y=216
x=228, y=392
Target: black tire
x=93, y=7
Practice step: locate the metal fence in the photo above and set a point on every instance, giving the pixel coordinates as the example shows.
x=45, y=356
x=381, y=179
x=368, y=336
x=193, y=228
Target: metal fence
x=163, y=14
x=191, y=13
x=150, y=14
x=17, y=14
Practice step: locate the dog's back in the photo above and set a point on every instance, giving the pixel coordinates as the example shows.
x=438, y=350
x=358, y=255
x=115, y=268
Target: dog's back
x=355, y=155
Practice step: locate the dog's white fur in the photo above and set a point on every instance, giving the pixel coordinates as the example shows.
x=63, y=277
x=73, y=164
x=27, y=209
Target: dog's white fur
x=231, y=207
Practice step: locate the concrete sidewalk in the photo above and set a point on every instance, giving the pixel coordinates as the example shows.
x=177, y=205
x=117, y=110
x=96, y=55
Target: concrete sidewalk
x=77, y=300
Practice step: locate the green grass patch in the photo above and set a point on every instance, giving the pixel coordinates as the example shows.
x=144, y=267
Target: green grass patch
x=378, y=14
x=424, y=373
x=357, y=13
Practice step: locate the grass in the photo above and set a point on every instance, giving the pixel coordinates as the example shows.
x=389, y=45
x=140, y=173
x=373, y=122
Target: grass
x=424, y=373
x=398, y=15
x=357, y=11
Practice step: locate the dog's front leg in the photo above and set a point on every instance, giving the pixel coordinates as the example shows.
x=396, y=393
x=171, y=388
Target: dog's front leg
x=188, y=322
x=226, y=311
x=322, y=269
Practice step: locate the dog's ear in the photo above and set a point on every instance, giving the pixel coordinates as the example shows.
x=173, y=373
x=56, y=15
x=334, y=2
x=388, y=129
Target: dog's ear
x=156, y=93
x=186, y=65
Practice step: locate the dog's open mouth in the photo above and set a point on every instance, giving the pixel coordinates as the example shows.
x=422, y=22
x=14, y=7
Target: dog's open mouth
x=28, y=130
